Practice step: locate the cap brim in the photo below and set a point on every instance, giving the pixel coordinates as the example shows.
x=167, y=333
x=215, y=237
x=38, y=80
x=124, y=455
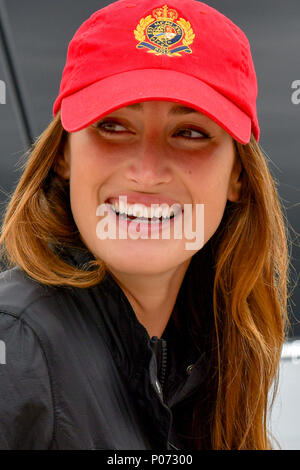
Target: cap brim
x=84, y=107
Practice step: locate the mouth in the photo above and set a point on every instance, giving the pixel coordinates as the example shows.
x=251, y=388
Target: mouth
x=144, y=213
x=142, y=220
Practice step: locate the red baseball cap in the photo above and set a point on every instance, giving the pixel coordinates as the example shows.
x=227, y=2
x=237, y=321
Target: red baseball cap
x=182, y=51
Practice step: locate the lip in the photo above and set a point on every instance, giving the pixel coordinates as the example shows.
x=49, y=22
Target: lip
x=145, y=199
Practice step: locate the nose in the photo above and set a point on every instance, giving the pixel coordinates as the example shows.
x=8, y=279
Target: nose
x=150, y=165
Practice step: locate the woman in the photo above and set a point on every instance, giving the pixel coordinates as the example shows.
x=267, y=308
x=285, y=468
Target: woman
x=136, y=341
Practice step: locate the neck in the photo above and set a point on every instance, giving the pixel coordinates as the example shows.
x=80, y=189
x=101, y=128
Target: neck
x=152, y=296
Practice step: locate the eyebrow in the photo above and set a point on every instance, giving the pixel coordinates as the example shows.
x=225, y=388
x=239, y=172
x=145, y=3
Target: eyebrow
x=176, y=110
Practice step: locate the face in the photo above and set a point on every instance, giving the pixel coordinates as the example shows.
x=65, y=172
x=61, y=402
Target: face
x=155, y=149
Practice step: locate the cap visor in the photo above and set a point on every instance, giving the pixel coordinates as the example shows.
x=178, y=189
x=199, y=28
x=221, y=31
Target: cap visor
x=84, y=107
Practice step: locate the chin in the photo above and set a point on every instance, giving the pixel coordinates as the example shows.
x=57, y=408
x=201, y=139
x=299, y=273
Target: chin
x=139, y=266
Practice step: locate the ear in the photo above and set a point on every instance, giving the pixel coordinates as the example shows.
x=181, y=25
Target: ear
x=62, y=165
x=235, y=183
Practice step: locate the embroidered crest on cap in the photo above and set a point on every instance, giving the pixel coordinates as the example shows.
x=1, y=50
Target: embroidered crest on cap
x=163, y=32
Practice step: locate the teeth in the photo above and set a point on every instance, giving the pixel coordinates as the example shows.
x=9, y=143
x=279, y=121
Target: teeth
x=158, y=212
x=139, y=210
x=117, y=207
x=166, y=211
x=122, y=207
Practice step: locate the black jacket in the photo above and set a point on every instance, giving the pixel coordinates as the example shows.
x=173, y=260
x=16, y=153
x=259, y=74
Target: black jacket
x=81, y=372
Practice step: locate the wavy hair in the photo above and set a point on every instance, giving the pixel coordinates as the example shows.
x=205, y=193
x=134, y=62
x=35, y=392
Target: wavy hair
x=246, y=292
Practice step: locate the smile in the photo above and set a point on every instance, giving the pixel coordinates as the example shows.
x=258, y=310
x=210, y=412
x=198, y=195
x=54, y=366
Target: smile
x=144, y=214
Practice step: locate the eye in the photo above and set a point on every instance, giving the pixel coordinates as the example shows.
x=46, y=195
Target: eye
x=192, y=134
x=109, y=127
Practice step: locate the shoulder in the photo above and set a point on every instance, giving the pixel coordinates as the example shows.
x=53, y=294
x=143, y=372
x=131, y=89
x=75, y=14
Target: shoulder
x=24, y=302
x=26, y=392
x=56, y=315
x=18, y=291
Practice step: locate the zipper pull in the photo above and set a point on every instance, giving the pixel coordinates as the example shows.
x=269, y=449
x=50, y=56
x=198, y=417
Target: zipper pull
x=159, y=347
x=155, y=346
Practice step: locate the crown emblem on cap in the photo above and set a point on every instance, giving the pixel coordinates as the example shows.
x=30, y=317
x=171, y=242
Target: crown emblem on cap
x=160, y=34
x=165, y=13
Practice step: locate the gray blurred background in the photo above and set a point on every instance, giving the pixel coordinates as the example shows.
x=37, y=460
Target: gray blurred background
x=33, y=44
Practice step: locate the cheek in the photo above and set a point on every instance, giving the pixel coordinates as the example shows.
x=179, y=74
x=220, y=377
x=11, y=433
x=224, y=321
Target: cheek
x=207, y=173
x=90, y=167
x=207, y=176
x=88, y=161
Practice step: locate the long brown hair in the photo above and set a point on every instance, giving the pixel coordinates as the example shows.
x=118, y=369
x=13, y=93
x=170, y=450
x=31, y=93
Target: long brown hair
x=250, y=266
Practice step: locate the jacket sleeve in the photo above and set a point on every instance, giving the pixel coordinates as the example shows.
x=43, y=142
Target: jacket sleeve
x=26, y=408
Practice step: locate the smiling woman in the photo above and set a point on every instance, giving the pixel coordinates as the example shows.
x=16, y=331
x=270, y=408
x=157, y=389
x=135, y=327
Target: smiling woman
x=131, y=339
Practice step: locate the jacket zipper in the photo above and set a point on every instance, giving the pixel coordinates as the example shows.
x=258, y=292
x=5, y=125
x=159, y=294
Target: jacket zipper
x=164, y=358
x=162, y=375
